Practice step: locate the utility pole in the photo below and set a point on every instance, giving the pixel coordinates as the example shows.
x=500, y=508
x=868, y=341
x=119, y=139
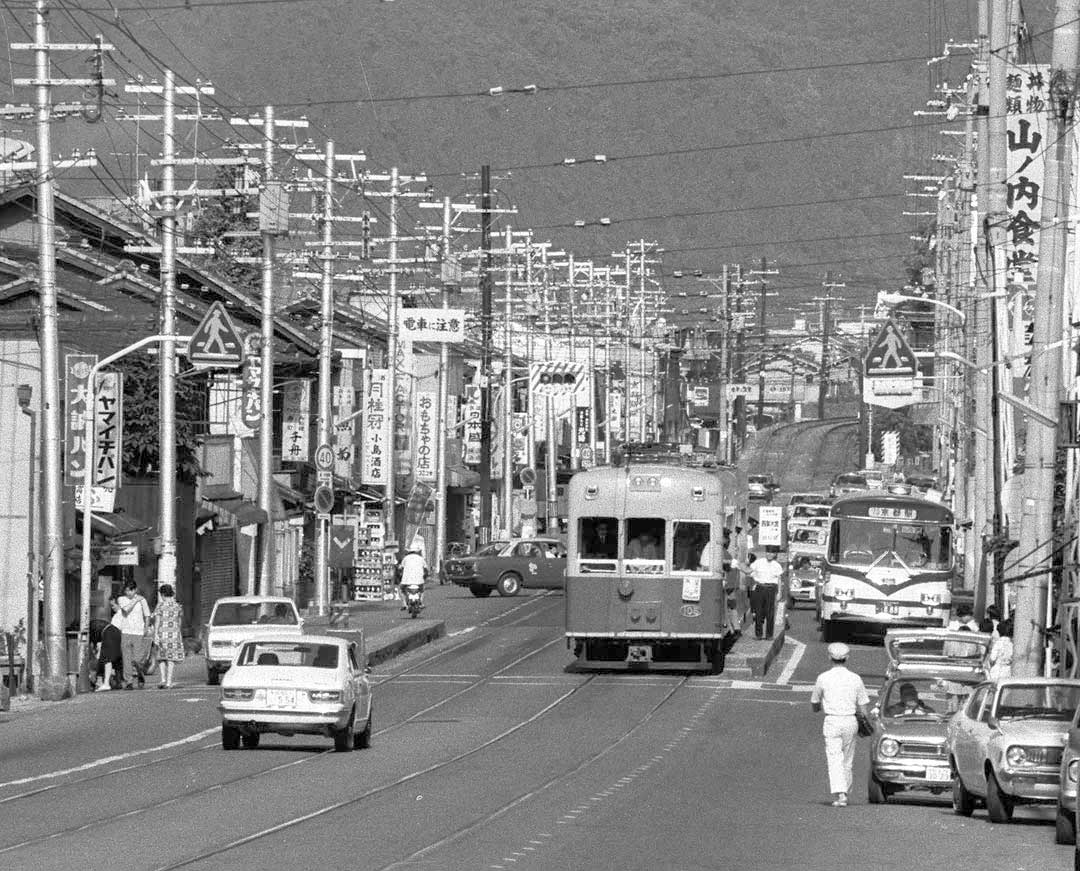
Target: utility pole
x=826, y=329
x=723, y=444
x=763, y=272
x=53, y=683
x=485, y=354
x=508, y=389
x=441, y=422
x=1037, y=538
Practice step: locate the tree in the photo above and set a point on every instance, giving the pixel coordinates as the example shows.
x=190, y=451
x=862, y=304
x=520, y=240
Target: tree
x=220, y=216
x=142, y=447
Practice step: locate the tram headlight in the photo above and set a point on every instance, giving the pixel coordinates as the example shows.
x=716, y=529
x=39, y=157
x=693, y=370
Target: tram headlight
x=889, y=747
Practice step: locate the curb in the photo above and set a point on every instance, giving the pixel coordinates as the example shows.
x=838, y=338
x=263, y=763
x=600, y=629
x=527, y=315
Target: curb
x=758, y=661
x=391, y=643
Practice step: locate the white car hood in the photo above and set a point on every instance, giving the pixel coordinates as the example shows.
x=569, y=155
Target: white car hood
x=1035, y=731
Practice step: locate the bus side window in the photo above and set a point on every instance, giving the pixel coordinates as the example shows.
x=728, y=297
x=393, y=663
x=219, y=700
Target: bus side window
x=689, y=544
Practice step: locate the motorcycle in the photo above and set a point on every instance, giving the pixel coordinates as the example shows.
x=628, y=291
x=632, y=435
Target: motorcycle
x=414, y=599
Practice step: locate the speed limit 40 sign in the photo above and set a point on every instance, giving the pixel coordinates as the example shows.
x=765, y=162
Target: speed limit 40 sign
x=324, y=458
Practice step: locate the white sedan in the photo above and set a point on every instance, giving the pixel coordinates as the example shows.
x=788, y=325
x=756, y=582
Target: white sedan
x=309, y=685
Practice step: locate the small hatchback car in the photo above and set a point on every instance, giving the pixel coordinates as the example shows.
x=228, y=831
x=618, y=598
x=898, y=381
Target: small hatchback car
x=930, y=675
x=308, y=685
x=1006, y=745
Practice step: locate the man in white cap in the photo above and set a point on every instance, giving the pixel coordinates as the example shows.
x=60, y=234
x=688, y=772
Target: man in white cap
x=839, y=692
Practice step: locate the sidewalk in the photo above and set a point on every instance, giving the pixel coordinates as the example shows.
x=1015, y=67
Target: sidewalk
x=388, y=632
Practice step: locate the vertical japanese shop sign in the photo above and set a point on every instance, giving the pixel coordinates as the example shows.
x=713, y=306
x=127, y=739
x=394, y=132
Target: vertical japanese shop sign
x=296, y=422
x=474, y=430
x=426, y=461
x=520, y=437
x=108, y=429
x=251, y=381
x=1027, y=125
x=582, y=416
x=343, y=401
x=76, y=407
x=377, y=439
x=403, y=418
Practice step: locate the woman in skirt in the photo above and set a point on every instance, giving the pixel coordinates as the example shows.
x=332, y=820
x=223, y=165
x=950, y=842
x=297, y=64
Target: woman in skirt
x=167, y=637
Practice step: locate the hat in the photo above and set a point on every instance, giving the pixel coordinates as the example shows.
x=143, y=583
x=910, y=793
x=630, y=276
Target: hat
x=838, y=651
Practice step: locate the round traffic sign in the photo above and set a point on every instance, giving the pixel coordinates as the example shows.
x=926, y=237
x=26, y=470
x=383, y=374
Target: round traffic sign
x=324, y=458
x=324, y=499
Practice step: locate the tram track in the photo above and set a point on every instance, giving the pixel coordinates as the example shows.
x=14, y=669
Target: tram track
x=214, y=744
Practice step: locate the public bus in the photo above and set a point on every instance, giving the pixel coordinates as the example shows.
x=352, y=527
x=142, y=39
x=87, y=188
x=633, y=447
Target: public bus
x=646, y=566
x=888, y=562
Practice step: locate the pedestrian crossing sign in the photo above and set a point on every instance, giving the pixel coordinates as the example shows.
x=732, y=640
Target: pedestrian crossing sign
x=890, y=355
x=216, y=341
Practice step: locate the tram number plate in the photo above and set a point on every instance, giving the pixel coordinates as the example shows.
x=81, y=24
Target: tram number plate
x=888, y=608
x=939, y=774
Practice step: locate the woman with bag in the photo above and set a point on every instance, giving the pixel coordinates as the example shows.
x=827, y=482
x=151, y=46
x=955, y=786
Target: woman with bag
x=168, y=640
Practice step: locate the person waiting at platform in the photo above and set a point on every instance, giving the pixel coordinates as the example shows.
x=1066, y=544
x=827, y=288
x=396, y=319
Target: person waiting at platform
x=766, y=574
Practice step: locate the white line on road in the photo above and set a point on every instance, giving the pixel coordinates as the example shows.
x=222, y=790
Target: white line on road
x=793, y=663
x=108, y=760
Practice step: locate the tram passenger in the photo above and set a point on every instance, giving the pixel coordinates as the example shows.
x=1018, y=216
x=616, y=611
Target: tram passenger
x=603, y=543
x=642, y=546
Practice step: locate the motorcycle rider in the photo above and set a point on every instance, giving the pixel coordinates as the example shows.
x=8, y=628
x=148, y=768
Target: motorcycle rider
x=412, y=571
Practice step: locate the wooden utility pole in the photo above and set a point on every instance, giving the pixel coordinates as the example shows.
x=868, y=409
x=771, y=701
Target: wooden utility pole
x=826, y=331
x=1037, y=541
x=486, y=279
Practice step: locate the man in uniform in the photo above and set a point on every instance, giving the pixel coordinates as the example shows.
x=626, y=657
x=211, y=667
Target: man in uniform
x=766, y=574
x=839, y=692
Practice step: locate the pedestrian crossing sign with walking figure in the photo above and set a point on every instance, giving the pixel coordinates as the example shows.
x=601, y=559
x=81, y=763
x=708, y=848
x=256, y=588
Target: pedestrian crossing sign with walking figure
x=216, y=341
x=890, y=370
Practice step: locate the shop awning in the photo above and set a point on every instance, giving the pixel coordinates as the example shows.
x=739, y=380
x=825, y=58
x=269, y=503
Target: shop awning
x=113, y=525
x=242, y=511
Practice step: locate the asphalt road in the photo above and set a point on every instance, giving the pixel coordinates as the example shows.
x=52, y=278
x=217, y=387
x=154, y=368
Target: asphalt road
x=488, y=754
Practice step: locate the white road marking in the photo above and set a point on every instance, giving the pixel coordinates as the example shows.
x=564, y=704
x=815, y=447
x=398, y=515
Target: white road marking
x=793, y=663
x=108, y=760
x=464, y=631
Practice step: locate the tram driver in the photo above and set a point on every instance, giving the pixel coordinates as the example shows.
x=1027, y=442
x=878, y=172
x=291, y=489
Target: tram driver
x=602, y=542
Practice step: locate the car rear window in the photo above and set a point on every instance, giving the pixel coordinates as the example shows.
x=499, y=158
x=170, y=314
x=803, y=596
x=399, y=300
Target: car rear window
x=857, y=480
x=253, y=613
x=298, y=655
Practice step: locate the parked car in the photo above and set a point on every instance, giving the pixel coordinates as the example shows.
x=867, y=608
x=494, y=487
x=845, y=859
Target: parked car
x=1068, y=775
x=288, y=685
x=235, y=619
x=804, y=576
x=797, y=499
x=761, y=487
x=1007, y=743
x=508, y=566
x=930, y=674
x=848, y=482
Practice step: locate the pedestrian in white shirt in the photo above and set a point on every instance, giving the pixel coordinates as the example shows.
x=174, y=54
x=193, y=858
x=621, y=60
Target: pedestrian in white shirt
x=766, y=574
x=413, y=572
x=839, y=692
x=134, y=633
x=1001, y=651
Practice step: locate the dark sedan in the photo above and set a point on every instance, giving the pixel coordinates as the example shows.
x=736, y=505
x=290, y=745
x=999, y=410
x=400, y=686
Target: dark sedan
x=507, y=566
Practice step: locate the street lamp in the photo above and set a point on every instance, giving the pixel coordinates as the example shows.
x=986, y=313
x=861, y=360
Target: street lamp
x=24, y=393
x=899, y=298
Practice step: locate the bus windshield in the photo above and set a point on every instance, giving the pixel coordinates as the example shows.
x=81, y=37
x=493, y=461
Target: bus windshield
x=891, y=545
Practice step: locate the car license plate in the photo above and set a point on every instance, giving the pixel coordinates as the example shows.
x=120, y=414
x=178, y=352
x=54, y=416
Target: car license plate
x=939, y=774
x=888, y=608
x=281, y=698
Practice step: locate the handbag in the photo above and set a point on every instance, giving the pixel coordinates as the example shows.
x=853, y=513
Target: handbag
x=866, y=725
x=150, y=661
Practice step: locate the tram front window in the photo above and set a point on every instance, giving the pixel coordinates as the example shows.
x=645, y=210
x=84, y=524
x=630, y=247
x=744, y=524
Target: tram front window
x=688, y=546
x=598, y=537
x=645, y=538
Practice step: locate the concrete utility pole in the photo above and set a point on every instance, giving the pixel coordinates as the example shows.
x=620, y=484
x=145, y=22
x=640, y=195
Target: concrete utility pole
x=267, y=556
x=486, y=279
x=53, y=683
x=826, y=330
x=441, y=422
x=1040, y=552
x=762, y=273
x=326, y=351
x=508, y=388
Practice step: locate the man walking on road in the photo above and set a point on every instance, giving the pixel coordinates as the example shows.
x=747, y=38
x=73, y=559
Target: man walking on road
x=766, y=574
x=839, y=692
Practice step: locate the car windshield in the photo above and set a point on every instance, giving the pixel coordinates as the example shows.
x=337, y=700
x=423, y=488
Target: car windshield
x=851, y=480
x=249, y=613
x=1038, y=701
x=922, y=697
x=293, y=654
x=492, y=549
x=891, y=545
x=758, y=479
x=810, y=511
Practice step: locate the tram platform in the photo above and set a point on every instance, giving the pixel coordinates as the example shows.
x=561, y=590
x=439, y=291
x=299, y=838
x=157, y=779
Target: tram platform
x=750, y=657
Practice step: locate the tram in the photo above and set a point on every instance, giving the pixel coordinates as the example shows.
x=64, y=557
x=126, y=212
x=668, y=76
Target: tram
x=888, y=562
x=646, y=566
